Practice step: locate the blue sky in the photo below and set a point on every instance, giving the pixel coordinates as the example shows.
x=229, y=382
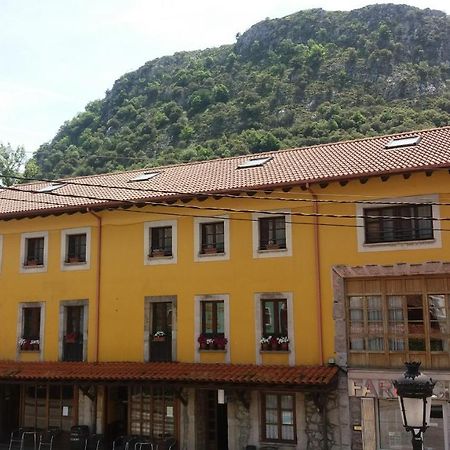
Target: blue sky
x=57, y=55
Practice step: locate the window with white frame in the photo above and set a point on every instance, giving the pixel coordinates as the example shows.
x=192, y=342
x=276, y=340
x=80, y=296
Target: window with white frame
x=212, y=324
x=160, y=242
x=272, y=234
x=75, y=248
x=73, y=330
x=274, y=325
x=405, y=222
x=211, y=238
x=30, y=327
x=34, y=252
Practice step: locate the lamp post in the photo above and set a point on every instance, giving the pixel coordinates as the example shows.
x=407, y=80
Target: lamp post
x=414, y=391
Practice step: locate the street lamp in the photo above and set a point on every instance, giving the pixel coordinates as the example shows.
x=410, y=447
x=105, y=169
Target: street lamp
x=414, y=391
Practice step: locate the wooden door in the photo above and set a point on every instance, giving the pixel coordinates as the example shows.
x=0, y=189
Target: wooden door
x=161, y=332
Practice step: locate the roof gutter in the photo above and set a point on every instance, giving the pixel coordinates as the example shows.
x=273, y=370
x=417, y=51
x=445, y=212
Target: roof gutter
x=317, y=264
x=98, y=283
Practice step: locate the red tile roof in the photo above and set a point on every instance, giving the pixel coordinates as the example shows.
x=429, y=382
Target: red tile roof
x=326, y=162
x=170, y=372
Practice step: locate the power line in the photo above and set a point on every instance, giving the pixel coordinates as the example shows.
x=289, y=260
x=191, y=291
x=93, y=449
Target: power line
x=226, y=195
x=139, y=203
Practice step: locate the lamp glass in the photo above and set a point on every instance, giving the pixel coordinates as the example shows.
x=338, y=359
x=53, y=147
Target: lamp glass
x=414, y=411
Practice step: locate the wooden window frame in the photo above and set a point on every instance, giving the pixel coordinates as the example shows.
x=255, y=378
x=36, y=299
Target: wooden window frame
x=277, y=325
x=28, y=311
x=76, y=250
x=214, y=304
x=34, y=251
x=47, y=387
x=264, y=438
x=268, y=227
x=402, y=229
x=160, y=245
x=399, y=324
x=138, y=389
x=218, y=229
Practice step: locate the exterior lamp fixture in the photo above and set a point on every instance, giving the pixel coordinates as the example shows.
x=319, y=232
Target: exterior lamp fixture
x=414, y=391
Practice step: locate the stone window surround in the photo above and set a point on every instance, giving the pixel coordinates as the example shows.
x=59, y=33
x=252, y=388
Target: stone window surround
x=148, y=322
x=200, y=257
x=257, y=253
x=258, y=297
x=436, y=242
x=147, y=241
x=62, y=325
x=342, y=272
x=23, y=240
x=22, y=306
x=75, y=266
x=225, y=298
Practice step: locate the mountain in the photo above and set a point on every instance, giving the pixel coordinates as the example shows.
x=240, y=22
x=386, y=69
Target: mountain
x=311, y=77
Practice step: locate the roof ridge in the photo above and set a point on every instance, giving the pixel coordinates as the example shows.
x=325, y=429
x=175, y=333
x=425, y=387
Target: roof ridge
x=256, y=155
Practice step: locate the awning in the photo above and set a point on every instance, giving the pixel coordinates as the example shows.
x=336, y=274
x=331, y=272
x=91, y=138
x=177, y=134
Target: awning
x=300, y=377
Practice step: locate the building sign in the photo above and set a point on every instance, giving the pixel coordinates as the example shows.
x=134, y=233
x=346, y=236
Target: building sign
x=378, y=387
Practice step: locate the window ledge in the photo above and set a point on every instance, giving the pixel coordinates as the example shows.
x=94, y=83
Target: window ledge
x=272, y=250
x=29, y=351
x=412, y=242
x=205, y=350
x=75, y=263
x=153, y=257
x=275, y=351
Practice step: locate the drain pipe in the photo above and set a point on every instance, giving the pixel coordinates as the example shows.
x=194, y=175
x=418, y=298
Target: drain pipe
x=98, y=284
x=317, y=271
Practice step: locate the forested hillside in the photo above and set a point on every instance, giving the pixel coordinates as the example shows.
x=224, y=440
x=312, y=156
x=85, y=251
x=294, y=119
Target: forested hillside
x=311, y=77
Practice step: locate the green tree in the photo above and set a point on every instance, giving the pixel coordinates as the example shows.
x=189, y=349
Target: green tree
x=11, y=162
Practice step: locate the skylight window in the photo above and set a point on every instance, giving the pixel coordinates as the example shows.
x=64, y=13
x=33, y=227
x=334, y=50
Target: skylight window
x=255, y=162
x=403, y=142
x=50, y=188
x=144, y=176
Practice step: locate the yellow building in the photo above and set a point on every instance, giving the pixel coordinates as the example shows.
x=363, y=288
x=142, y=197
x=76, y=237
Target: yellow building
x=214, y=302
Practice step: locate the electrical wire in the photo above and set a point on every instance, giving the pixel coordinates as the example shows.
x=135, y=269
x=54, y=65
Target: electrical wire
x=224, y=195
x=138, y=203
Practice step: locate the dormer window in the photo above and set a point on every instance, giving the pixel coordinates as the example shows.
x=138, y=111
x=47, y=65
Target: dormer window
x=255, y=162
x=403, y=142
x=144, y=176
x=50, y=188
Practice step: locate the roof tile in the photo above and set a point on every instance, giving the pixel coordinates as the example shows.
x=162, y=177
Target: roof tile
x=325, y=162
x=301, y=376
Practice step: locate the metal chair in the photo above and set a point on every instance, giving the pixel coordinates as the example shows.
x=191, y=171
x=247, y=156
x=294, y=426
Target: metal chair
x=167, y=444
x=47, y=437
x=146, y=444
x=126, y=442
x=95, y=442
x=18, y=437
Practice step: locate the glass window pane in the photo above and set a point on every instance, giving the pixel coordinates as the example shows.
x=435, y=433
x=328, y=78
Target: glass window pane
x=356, y=343
x=287, y=417
x=287, y=402
x=220, y=317
x=271, y=401
x=268, y=318
x=287, y=433
x=272, y=431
